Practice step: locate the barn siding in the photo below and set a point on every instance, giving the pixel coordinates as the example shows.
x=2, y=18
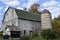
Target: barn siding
x=28, y=26
x=10, y=17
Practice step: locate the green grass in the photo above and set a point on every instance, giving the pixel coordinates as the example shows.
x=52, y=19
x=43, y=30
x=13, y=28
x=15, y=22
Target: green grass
x=1, y=38
x=38, y=38
x=1, y=34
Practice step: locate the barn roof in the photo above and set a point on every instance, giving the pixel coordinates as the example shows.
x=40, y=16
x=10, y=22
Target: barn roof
x=28, y=15
x=25, y=15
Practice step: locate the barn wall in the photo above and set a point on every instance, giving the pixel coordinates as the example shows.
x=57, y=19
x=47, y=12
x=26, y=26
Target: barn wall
x=10, y=17
x=28, y=26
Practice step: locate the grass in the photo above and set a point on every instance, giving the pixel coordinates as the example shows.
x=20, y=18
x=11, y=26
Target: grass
x=37, y=38
x=40, y=38
x=1, y=38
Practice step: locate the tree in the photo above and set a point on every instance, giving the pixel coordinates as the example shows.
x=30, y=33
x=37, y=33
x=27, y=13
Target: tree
x=34, y=8
x=56, y=25
x=48, y=34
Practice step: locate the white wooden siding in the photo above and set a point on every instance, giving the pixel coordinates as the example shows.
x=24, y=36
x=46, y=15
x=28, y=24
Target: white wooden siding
x=10, y=18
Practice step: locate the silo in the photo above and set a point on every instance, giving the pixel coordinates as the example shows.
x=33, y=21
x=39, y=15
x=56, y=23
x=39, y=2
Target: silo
x=46, y=19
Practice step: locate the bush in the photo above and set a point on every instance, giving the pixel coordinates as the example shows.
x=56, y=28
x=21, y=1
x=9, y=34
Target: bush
x=1, y=34
x=48, y=34
x=25, y=38
x=35, y=35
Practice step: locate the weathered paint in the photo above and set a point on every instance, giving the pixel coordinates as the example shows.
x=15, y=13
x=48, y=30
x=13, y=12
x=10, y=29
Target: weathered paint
x=28, y=26
x=10, y=17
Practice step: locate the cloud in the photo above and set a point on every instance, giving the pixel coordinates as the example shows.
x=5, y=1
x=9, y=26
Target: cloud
x=6, y=7
x=1, y=7
x=55, y=12
x=58, y=5
x=1, y=14
x=53, y=6
x=11, y=2
x=21, y=3
x=50, y=3
x=19, y=8
x=29, y=3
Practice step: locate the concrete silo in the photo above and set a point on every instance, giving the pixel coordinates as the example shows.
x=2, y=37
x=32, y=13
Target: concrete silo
x=46, y=19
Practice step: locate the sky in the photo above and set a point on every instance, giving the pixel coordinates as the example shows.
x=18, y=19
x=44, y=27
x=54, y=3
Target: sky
x=52, y=5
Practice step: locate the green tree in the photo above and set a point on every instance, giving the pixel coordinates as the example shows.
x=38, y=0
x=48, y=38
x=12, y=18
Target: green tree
x=56, y=25
x=48, y=34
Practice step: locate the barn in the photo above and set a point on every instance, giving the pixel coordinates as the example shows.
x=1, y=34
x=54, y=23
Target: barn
x=25, y=22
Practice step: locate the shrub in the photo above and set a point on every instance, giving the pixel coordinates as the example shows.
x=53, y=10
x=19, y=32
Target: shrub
x=25, y=38
x=48, y=34
x=35, y=35
x=1, y=34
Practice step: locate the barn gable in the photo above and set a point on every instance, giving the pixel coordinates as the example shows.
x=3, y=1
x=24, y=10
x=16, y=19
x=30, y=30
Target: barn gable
x=9, y=14
x=10, y=17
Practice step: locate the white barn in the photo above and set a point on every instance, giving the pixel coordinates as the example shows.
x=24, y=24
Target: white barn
x=26, y=22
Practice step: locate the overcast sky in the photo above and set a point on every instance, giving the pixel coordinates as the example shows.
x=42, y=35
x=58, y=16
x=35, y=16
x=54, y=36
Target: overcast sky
x=52, y=5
